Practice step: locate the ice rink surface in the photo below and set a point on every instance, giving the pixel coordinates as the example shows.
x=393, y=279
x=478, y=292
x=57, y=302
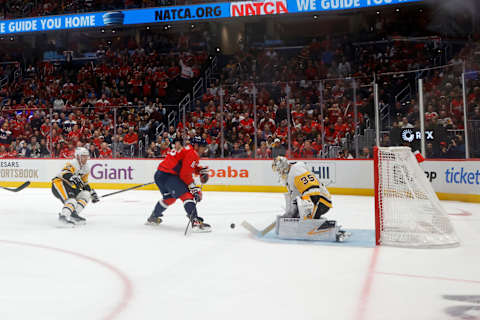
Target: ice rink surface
x=115, y=267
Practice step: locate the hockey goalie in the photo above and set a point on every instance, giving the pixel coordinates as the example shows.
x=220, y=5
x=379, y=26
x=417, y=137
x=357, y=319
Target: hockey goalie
x=306, y=201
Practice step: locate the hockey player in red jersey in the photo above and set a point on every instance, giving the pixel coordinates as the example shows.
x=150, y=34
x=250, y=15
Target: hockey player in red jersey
x=174, y=178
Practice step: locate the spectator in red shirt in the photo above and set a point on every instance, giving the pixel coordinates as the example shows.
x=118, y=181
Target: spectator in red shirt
x=67, y=152
x=340, y=127
x=74, y=133
x=173, y=71
x=308, y=151
x=129, y=140
x=105, y=151
x=282, y=130
x=17, y=126
x=296, y=153
x=246, y=124
x=12, y=153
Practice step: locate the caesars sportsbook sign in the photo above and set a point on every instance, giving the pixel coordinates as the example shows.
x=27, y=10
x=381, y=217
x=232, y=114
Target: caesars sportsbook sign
x=206, y=11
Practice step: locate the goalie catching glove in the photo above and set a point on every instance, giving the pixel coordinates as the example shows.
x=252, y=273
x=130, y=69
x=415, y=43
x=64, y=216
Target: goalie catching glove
x=196, y=192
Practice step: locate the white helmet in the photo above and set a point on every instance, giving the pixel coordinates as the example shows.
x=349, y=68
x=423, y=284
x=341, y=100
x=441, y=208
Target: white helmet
x=281, y=166
x=79, y=152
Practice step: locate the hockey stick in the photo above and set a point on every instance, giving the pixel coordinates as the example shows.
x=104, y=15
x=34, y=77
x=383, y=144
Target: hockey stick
x=112, y=193
x=19, y=188
x=131, y=188
x=255, y=231
x=186, y=229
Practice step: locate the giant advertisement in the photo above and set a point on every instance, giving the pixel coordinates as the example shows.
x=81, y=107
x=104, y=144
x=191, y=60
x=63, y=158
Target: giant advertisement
x=183, y=13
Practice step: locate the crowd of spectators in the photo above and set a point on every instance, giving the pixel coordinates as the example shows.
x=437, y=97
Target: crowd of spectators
x=117, y=105
x=281, y=78
x=81, y=101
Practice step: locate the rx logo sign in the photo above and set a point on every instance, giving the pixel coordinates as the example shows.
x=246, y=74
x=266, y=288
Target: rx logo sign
x=409, y=135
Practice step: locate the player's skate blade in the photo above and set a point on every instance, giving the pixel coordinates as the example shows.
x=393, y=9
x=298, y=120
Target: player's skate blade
x=78, y=220
x=153, y=221
x=63, y=222
x=199, y=226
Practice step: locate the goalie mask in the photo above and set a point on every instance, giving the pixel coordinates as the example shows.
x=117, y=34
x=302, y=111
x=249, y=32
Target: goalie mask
x=281, y=167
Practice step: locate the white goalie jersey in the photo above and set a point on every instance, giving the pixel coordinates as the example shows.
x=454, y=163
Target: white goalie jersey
x=306, y=201
x=306, y=192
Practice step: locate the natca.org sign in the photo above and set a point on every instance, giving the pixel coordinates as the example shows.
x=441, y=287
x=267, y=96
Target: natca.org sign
x=116, y=18
x=328, y=5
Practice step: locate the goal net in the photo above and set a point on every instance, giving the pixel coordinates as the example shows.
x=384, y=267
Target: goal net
x=407, y=210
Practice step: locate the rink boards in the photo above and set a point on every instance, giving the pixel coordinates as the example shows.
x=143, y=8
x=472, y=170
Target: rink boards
x=452, y=180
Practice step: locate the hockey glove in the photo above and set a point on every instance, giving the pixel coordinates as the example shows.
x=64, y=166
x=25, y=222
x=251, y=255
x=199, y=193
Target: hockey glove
x=94, y=196
x=196, y=192
x=77, y=181
x=204, y=175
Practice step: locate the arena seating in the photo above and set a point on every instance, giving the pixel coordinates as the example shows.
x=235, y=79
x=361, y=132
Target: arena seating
x=125, y=102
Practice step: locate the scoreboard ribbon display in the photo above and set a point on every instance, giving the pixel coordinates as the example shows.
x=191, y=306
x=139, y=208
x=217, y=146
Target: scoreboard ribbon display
x=183, y=13
x=295, y=6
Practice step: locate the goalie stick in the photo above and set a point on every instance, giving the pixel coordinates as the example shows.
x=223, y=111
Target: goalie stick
x=255, y=231
x=19, y=188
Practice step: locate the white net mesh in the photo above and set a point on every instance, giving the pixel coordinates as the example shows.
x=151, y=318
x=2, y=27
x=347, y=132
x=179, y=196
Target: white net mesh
x=409, y=213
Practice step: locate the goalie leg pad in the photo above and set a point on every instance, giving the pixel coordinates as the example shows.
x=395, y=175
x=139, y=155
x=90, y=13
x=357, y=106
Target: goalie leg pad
x=311, y=229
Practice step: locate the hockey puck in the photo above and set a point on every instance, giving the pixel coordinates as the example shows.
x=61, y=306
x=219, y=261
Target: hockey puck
x=232, y=226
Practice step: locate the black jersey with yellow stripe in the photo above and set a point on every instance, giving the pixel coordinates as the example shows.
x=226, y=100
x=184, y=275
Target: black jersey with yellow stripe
x=62, y=184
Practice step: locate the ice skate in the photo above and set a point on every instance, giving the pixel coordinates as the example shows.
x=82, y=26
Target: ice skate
x=77, y=219
x=199, y=226
x=153, y=220
x=65, y=222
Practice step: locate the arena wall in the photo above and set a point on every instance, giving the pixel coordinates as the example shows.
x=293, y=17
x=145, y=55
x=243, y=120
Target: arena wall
x=452, y=180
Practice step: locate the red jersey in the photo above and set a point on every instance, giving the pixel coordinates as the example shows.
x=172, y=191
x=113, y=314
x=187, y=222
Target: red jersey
x=130, y=138
x=105, y=153
x=183, y=163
